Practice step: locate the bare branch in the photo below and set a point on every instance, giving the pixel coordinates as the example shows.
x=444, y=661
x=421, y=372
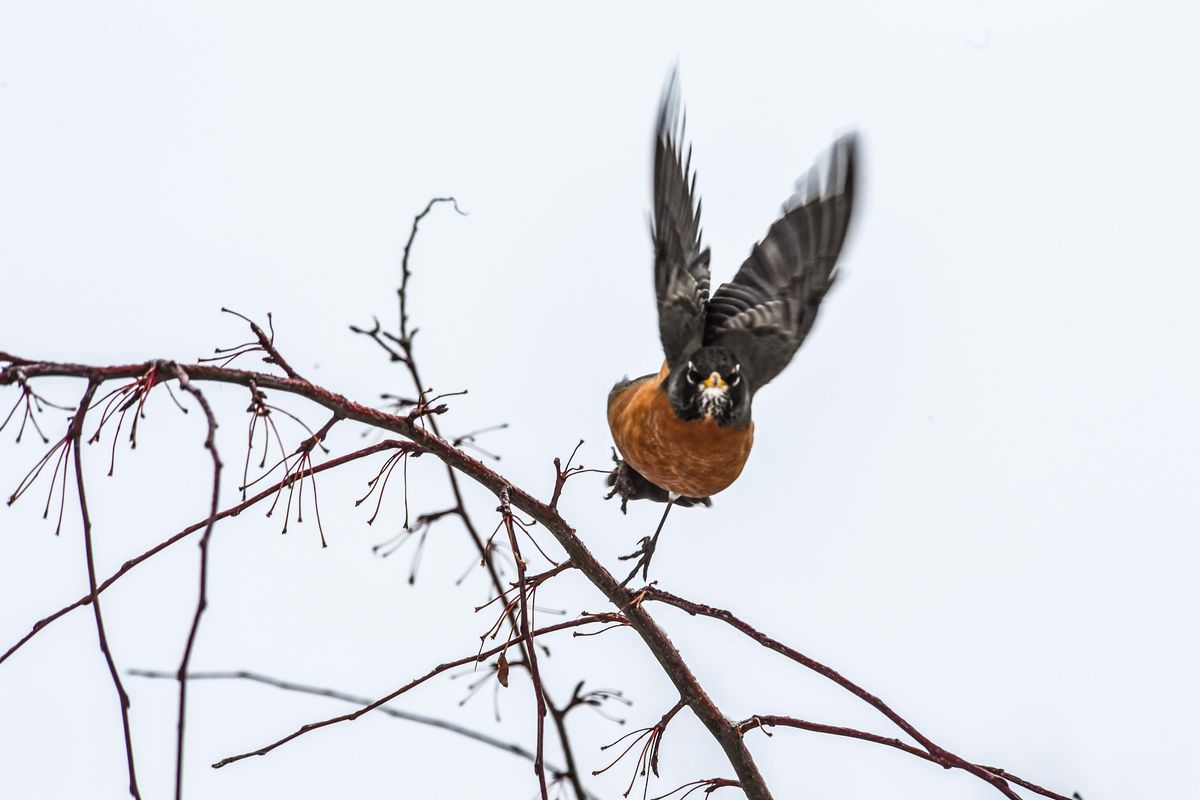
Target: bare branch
x=440, y=668
x=932, y=752
x=181, y=675
x=647, y=760
x=122, y=697
x=763, y=720
x=527, y=640
x=655, y=638
x=405, y=338
x=358, y=700
x=709, y=785
x=265, y=344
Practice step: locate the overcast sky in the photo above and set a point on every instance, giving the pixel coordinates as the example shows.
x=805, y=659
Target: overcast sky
x=974, y=491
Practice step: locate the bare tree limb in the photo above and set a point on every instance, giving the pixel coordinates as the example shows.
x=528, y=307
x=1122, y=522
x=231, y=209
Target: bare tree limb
x=75, y=434
x=765, y=720
x=655, y=638
x=181, y=675
x=406, y=355
x=932, y=752
x=405, y=338
x=440, y=668
x=420, y=428
x=358, y=700
x=527, y=644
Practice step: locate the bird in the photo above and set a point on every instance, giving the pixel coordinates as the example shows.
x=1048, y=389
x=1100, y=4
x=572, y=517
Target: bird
x=685, y=432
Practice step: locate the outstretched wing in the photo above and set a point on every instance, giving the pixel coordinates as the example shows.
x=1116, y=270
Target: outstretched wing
x=680, y=267
x=765, y=312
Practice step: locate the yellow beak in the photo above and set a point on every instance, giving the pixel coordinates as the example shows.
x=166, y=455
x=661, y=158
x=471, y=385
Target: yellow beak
x=715, y=381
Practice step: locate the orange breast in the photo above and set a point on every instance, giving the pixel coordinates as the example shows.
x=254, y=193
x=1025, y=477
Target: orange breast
x=693, y=459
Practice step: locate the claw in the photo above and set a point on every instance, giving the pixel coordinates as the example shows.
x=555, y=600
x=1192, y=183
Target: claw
x=623, y=482
x=645, y=551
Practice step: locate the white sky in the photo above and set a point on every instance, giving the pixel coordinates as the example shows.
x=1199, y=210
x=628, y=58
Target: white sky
x=974, y=491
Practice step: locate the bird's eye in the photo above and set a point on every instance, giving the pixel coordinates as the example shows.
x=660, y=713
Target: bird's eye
x=735, y=375
x=693, y=375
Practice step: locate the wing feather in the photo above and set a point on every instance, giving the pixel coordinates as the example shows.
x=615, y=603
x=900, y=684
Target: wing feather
x=681, y=275
x=766, y=311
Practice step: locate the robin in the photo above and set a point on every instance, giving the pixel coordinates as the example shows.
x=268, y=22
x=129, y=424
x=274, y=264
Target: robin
x=684, y=433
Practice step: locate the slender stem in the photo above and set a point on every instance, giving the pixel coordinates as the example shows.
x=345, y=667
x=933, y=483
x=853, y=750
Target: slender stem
x=358, y=700
x=527, y=644
x=406, y=273
x=232, y=511
x=474, y=658
x=122, y=696
x=181, y=674
x=408, y=358
x=935, y=752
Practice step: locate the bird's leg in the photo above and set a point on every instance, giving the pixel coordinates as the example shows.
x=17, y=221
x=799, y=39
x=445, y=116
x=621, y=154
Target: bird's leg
x=645, y=551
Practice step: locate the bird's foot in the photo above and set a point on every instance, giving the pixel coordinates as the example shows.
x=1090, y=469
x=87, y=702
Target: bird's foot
x=646, y=547
x=622, y=482
x=643, y=555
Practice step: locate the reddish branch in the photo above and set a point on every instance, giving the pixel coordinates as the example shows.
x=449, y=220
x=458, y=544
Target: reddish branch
x=420, y=427
x=709, y=785
x=647, y=760
x=527, y=646
x=265, y=344
x=656, y=639
x=728, y=734
x=181, y=675
x=75, y=434
x=932, y=752
x=766, y=720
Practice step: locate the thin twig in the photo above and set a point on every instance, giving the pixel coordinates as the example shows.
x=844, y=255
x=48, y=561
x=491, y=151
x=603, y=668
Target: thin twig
x=762, y=720
x=440, y=668
x=232, y=511
x=267, y=343
x=122, y=697
x=527, y=644
x=181, y=675
x=406, y=273
x=358, y=700
x=936, y=753
x=404, y=341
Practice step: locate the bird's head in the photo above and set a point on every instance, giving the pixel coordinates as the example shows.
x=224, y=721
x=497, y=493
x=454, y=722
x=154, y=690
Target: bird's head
x=710, y=384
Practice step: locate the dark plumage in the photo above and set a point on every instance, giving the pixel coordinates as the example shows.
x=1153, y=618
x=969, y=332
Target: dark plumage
x=687, y=430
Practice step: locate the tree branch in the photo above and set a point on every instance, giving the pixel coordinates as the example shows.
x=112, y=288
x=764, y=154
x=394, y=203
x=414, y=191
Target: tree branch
x=75, y=434
x=932, y=752
x=527, y=645
x=440, y=668
x=181, y=675
x=628, y=604
x=762, y=720
x=358, y=700
x=655, y=638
